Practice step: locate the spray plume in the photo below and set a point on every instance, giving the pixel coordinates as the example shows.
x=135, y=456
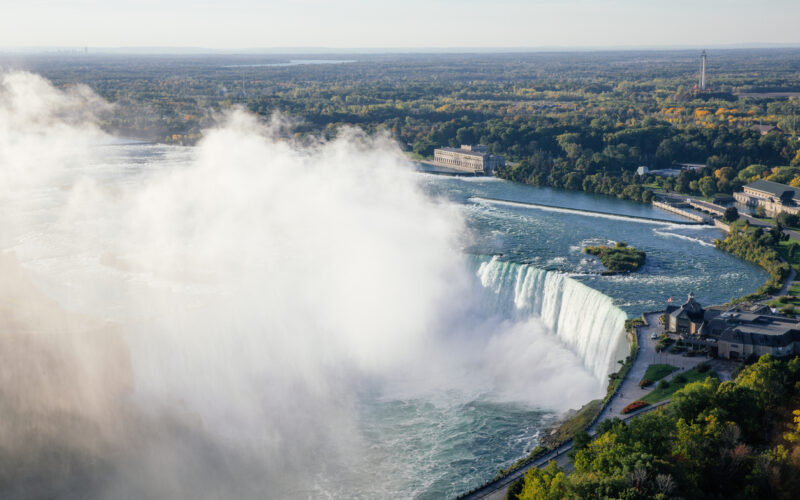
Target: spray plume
x=221, y=309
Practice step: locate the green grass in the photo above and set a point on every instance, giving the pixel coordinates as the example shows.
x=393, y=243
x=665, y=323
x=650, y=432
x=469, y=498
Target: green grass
x=692, y=375
x=577, y=422
x=785, y=301
x=656, y=372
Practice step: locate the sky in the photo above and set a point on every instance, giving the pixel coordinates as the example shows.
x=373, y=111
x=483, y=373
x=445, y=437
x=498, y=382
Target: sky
x=248, y=24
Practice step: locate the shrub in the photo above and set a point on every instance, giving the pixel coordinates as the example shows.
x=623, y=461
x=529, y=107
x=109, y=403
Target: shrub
x=644, y=382
x=680, y=378
x=634, y=406
x=663, y=384
x=703, y=367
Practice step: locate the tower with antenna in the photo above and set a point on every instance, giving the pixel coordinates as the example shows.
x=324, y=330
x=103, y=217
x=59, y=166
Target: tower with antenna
x=701, y=84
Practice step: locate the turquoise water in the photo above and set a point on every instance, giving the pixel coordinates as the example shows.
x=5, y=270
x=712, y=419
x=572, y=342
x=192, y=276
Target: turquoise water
x=466, y=443
x=680, y=259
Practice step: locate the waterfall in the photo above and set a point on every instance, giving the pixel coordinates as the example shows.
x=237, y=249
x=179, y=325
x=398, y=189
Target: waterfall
x=582, y=318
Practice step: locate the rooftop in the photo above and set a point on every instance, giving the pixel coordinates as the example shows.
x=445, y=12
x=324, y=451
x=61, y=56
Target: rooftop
x=463, y=151
x=775, y=188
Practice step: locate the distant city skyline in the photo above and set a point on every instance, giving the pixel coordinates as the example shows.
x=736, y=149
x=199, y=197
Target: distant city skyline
x=411, y=25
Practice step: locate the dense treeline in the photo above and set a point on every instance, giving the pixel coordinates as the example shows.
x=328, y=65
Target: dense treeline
x=581, y=121
x=602, y=158
x=757, y=246
x=731, y=440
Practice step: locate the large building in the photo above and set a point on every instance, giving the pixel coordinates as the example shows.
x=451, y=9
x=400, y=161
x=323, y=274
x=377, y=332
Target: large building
x=687, y=318
x=742, y=334
x=774, y=197
x=473, y=159
x=736, y=333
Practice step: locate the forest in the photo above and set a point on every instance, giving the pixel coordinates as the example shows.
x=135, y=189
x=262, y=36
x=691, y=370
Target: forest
x=737, y=439
x=573, y=120
x=561, y=119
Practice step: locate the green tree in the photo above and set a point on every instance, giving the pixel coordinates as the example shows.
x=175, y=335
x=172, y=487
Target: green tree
x=707, y=186
x=787, y=219
x=731, y=214
x=549, y=483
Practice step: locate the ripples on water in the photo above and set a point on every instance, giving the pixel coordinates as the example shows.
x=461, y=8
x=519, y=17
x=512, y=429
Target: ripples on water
x=438, y=447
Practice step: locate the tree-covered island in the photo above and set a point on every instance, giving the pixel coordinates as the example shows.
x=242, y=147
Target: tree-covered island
x=620, y=258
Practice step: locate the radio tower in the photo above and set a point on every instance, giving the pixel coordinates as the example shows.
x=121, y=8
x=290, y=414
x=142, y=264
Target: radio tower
x=702, y=82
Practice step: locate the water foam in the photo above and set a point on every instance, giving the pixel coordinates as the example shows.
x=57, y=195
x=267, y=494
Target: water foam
x=582, y=318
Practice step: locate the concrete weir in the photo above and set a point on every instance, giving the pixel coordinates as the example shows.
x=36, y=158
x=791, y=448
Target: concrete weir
x=582, y=211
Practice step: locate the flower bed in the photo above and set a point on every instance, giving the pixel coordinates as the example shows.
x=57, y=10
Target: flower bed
x=634, y=406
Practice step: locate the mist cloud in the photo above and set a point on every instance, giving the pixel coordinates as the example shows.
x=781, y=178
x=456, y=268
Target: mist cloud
x=229, y=303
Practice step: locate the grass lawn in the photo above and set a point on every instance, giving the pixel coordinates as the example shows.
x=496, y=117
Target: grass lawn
x=784, y=302
x=656, y=372
x=692, y=375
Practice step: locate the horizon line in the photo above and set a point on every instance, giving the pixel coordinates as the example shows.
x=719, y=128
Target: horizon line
x=168, y=49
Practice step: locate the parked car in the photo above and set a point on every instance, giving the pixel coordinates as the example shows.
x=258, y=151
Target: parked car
x=654, y=336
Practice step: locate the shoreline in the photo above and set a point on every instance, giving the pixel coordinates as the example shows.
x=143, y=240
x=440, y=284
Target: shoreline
x=545, y=453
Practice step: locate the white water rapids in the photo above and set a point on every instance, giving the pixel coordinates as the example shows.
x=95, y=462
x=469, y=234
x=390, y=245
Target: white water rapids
x=583, y=318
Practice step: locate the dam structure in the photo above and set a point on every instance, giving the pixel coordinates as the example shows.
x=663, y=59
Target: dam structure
x=633, y=218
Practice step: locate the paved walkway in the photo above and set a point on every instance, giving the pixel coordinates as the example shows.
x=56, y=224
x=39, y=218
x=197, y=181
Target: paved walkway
x=629, y=390
x=788, y=283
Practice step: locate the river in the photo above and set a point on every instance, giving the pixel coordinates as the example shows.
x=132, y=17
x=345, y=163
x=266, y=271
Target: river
x=534, y=331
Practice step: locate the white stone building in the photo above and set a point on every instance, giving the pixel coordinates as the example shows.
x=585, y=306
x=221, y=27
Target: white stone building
x=467, y=158
x=773, y=196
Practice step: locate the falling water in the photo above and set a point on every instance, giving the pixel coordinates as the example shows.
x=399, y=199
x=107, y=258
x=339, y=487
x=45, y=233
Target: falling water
x=583, y=318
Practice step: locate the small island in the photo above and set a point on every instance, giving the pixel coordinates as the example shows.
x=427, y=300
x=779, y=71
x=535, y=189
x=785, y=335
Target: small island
x=620, y=258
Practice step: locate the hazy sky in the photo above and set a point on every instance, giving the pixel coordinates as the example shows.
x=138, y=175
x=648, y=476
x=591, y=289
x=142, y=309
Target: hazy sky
x=397, y=23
